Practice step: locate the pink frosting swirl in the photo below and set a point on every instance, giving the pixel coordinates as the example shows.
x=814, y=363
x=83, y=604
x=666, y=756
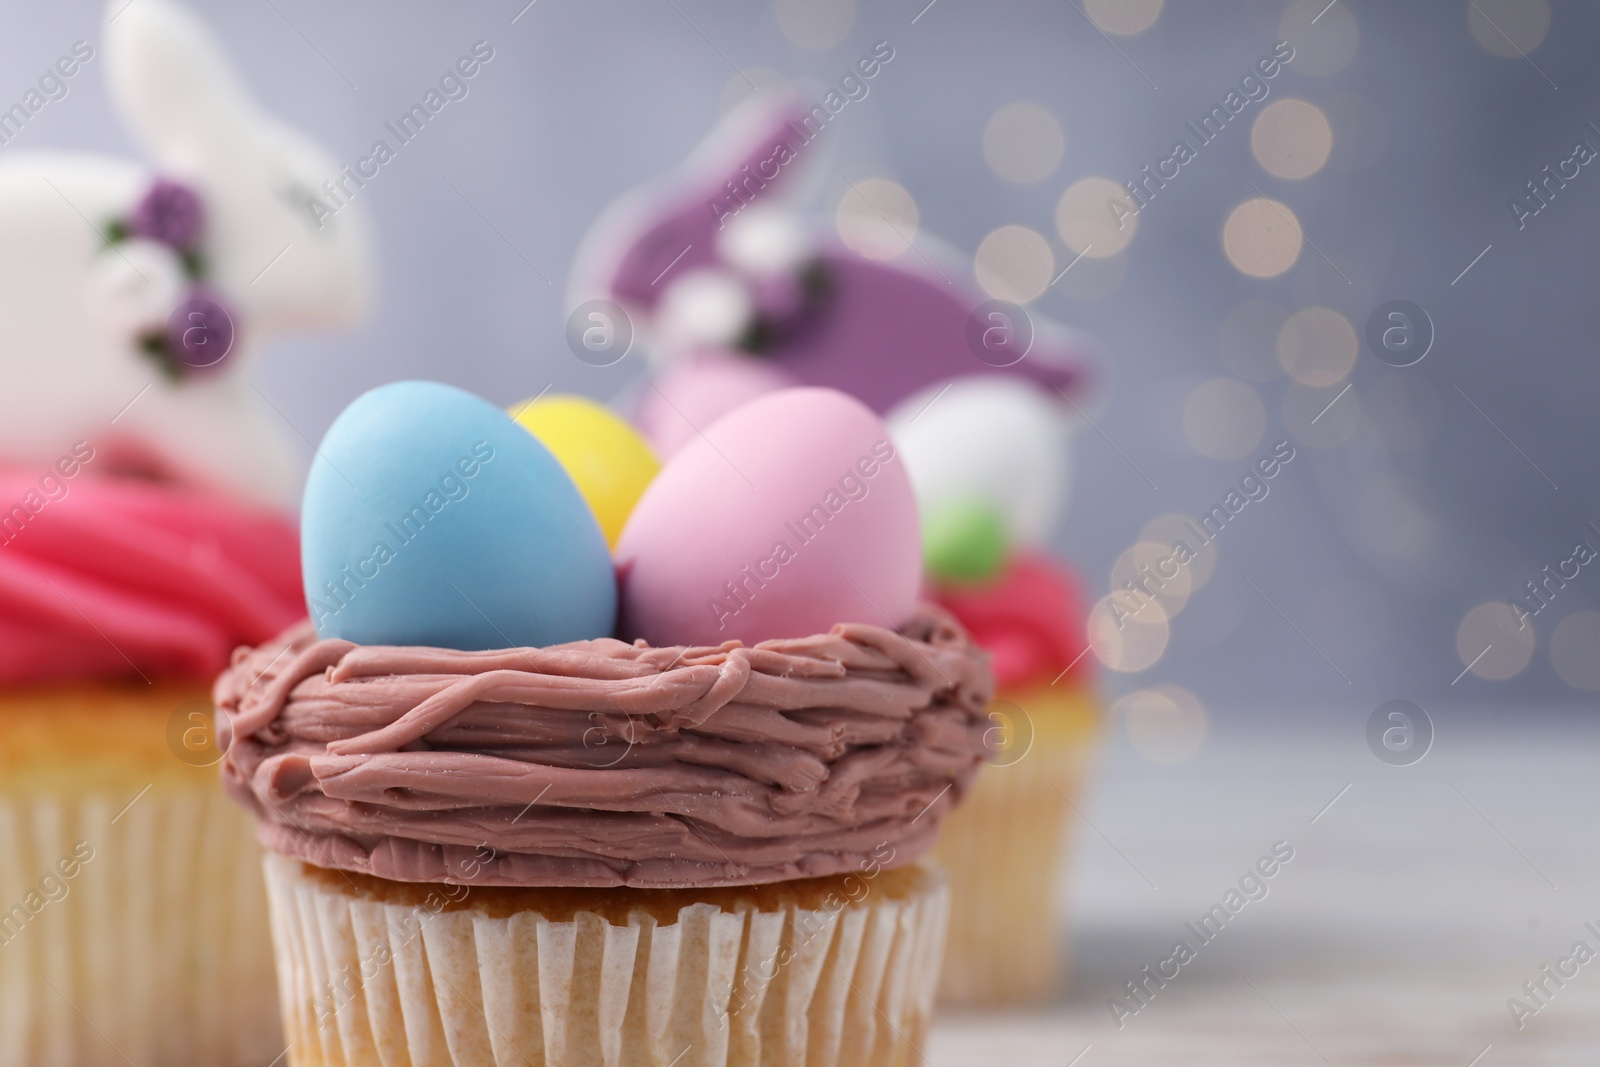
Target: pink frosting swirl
x=107, y=577
x=1030, y=619
x=600, y=763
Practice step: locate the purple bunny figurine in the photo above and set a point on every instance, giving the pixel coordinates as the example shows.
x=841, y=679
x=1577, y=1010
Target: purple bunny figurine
x=711, y=259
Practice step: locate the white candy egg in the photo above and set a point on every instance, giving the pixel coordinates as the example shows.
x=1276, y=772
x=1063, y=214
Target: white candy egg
x=998, y=439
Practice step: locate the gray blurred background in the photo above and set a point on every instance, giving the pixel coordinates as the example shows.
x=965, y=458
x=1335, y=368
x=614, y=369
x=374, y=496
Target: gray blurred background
x=1416, y=496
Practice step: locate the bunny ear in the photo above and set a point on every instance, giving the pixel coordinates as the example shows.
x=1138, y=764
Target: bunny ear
x=757, y=141
x=668, y=229
x=171, y=79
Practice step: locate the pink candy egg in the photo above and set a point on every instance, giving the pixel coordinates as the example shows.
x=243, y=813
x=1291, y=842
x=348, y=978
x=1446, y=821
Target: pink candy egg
x=790, y=514
x=697, y=390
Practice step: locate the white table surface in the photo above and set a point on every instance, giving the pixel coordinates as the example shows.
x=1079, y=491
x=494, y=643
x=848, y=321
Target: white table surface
x=1414, y=907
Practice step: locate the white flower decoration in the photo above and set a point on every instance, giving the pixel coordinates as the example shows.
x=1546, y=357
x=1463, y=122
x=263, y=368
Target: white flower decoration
x=704, y=309
x=132, y=288
x=762, y=241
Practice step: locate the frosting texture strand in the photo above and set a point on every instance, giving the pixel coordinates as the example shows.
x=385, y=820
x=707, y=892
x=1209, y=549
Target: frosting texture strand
x=600, y=763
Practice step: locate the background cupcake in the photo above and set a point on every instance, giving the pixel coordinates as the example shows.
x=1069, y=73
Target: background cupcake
x=1006, y=848
x=989, y=459
x=130, y=894
x=502, y=832
x=143, y=484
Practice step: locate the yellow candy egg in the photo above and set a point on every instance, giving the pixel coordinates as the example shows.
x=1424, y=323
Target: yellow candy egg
x=603, y=455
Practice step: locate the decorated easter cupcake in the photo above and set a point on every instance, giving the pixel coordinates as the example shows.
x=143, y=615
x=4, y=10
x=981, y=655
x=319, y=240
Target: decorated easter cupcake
x=129, y=894
x=145, y=490
x=500, y=834
x=1007, y=847
x=989, y=461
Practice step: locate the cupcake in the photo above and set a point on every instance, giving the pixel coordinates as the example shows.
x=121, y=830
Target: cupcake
x=498, y=833
x=1006, y=848
x=145, y=495
x=129, y=896
x=989, y=460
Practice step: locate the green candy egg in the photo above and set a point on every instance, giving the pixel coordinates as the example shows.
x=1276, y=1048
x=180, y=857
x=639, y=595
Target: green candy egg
x=964, y=540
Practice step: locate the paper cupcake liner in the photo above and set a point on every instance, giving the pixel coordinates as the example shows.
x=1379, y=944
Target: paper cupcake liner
x=1005, y=846
x=153, y=951
x=371, y=973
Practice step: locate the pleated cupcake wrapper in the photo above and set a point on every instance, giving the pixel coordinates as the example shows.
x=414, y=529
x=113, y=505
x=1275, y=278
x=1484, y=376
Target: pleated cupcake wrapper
x=1003, y=847
x=157, y=953
x=365, y=982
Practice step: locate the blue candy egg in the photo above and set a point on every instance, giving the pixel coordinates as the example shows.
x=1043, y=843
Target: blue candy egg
x=431, y=518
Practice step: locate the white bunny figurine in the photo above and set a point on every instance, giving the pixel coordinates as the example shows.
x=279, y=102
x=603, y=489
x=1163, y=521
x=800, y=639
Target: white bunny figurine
x=133, y=301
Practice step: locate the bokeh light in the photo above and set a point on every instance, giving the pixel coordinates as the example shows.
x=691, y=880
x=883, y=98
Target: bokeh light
x=877, y=218
x=1169, y=530
x=1324, y=36
x=1321, y=417
x=1165, y=724
x=1575, y=650
x=1224, y=419
x=1261, y=238
x=1248, y=338
x=1508, y=28
x=1023, y=143
x=1094, y=216
x=1492, y=643
x=1291, y=138
x=1317, y=346
x=1014, y=263
x=1123, y=17
x=815, y=24
x=1156, y=572
x=1128, y=634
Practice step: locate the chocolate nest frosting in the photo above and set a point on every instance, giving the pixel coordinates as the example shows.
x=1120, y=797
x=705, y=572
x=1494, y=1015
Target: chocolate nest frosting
x=600, y=763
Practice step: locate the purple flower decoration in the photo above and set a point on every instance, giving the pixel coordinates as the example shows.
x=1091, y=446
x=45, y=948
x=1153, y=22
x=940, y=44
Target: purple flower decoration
x=171, y=213
x=779, y=298
x=200, y=331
